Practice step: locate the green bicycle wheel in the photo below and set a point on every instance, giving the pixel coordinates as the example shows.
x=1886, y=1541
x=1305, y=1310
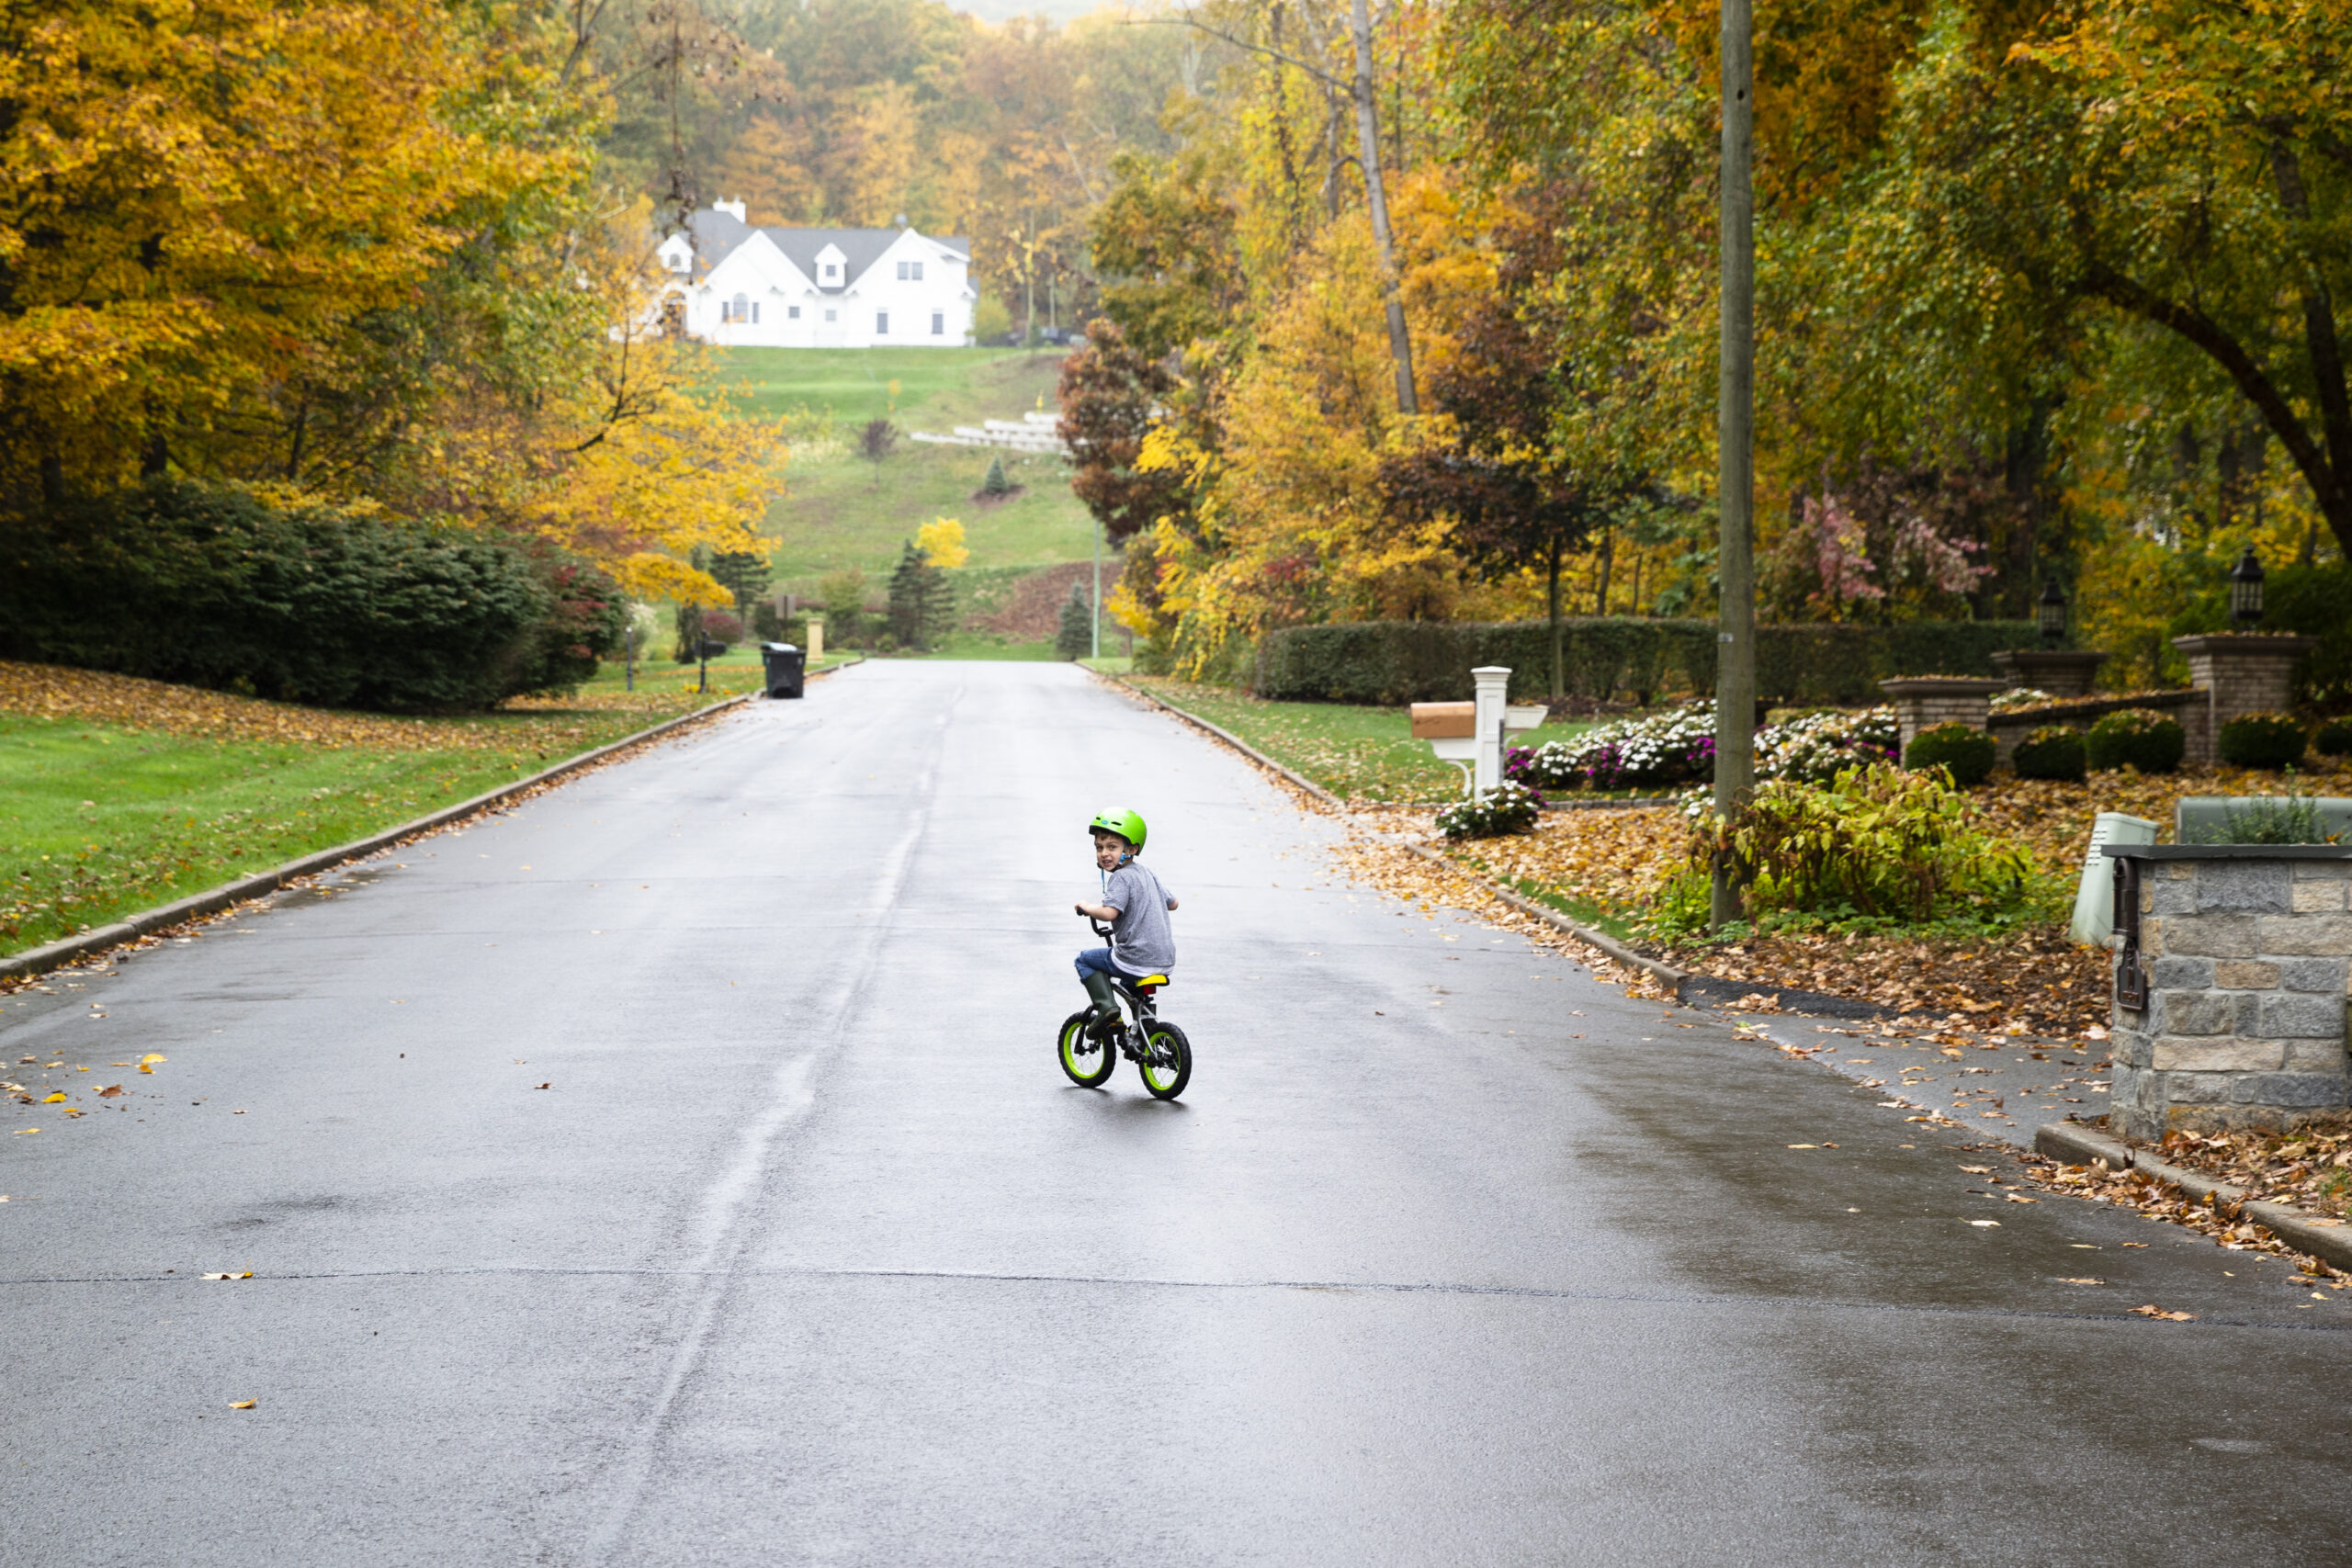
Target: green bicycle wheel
x=1167, y=1060
x=1087, y=1061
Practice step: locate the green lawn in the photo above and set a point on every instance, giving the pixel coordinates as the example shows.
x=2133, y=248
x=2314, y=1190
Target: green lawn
x=840, y=512
x=1362, y=754
x=101, y=821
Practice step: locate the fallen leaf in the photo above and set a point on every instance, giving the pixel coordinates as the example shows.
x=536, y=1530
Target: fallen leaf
x=2139, y=1244
x=1977, y=1169
x=1791, y=1146
x=2082, y=1281
x=2167, y=1317
x=57, y=1099
x=23, y=1130
x=109, y=1092
x=2019, y=1197
x=543, y=1085
x=241, y=1404
x=1987, y=1225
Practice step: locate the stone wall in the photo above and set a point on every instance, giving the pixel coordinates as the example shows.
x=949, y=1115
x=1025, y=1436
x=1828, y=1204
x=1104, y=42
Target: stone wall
x=2248, y=958
x=2188, y=708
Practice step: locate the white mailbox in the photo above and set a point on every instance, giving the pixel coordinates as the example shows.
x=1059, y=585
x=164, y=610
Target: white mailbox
x=1473, y=734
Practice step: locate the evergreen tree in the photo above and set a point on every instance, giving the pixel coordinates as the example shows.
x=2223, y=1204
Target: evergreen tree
x=923, y=602
x=996, y=483
x=1076, y=637
x=743, y=573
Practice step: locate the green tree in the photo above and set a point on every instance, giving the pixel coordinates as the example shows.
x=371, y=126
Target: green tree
x=923, y=602
x=1074, y=638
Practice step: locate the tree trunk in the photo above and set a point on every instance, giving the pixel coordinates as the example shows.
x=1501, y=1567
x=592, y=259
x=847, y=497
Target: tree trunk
x=1736, y=456
x=1375, y=190
x=1608, y=561
x=1552, y=609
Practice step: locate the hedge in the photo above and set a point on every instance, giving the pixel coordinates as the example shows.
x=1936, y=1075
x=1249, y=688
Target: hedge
x=210, y=585
x=1389, y=662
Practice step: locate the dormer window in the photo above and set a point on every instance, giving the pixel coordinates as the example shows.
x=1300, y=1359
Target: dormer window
x=831, y=271
x=910, y=272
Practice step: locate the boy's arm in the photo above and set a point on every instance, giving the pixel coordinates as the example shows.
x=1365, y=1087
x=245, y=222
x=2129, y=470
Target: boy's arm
x=1097, y=911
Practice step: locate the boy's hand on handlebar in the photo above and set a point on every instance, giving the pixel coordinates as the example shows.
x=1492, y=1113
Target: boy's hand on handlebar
x=1096, y=911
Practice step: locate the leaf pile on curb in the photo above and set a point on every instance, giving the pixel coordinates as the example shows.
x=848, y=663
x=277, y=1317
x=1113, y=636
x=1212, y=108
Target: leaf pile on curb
x=2034, y=983
x=2309, y=1169
x=2223, y=1221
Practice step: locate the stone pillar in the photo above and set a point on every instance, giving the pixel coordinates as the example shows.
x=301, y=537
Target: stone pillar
x=2246, y=950
x=2061, y=672
x=1923, y=702
x=815, y=639
x=1491, y=686
x=2241, y=673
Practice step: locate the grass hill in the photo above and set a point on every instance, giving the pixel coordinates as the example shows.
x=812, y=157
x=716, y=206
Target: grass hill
x=840, y=511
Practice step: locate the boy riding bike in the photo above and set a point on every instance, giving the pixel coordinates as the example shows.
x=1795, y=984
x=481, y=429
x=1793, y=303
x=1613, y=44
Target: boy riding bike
x=1135, y=905
x=1134, y=915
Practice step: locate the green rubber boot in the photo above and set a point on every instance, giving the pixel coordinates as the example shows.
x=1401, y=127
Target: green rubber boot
x=1106, y=1002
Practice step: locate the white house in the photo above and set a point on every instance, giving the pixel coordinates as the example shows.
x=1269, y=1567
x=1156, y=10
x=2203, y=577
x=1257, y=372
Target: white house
x=817, y=288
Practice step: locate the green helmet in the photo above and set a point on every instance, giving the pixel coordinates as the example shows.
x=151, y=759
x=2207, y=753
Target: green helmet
x=1127, y=824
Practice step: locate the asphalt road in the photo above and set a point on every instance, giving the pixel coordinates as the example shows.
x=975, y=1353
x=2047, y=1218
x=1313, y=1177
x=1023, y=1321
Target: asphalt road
x=676, y=1171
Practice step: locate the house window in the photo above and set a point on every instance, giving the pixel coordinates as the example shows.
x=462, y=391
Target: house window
x=831, y=316
x=902, y=272
x=832, y=270
x=792, y=312
x=939, y=323
x=881, y=323
x=918, y=272
x=742, y=309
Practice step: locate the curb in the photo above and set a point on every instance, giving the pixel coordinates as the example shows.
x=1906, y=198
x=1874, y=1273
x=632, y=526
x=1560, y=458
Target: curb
x=2071, y=1143
x=51, y=955
x=1309, y=786
x=1673, y=979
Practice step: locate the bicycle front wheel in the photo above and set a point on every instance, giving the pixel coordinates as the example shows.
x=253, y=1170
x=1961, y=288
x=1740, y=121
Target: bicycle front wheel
x=1167, y=1060
x=1087, y=1061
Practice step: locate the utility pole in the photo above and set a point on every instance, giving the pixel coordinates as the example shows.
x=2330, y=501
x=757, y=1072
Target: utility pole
x=1736, y=436
x=1094, y=635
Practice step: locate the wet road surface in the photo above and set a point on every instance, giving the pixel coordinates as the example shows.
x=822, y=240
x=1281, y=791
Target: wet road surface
x=675, y=1171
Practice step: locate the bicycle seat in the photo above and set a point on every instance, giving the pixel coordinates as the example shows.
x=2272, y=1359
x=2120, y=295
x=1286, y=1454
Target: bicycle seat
x=1145, y=982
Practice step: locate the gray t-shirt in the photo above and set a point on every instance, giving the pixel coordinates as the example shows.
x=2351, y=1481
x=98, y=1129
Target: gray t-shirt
x=1142, y=943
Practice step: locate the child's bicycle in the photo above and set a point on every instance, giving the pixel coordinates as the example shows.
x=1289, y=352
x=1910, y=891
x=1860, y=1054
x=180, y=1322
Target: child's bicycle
x=1155, y=1046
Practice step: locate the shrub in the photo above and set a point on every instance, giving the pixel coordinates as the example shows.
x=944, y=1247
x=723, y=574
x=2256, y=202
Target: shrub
x=1407, y=661
x=720, y=625
x=2261, y=740
x=210, y=585
x=2018, y=697
x=995, y=483
x=1962, y=751
x=2054, y=751
x=1817, y=747
x=1879, y=842
x=2334, y=739
x=1662, y=749
x=1508, y=807
x=2268, y=819
x=2136, y=737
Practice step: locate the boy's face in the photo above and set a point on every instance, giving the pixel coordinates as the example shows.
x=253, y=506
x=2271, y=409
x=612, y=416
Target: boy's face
x=1108, y=848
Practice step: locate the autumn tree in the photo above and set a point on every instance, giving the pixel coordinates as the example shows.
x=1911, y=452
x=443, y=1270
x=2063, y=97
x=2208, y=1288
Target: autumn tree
x=1110, y=396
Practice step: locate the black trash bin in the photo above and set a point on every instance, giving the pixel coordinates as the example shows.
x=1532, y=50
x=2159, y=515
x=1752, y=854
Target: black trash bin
x=786, y=667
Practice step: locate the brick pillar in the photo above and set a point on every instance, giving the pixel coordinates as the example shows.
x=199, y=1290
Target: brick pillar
x=2240, y=673
x=1923, y=702
x=2245, y=948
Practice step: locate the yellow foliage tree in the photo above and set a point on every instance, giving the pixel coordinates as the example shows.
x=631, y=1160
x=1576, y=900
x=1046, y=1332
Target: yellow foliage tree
x=942, y=539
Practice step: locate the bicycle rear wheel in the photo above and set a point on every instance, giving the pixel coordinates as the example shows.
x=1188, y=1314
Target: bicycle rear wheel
x=1167, y=1061
x=1087, y=1061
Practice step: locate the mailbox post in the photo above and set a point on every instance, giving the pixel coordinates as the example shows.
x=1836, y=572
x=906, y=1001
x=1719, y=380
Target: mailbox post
x=1473, y=734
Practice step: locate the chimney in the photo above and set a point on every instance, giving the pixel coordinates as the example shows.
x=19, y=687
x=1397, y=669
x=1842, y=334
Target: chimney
x=733, y=209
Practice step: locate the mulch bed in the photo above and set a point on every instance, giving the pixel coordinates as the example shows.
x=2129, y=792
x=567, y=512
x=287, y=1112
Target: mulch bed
x=1034, y=613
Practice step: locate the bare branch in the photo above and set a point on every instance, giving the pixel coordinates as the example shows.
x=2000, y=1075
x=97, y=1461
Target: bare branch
x=1188, y=20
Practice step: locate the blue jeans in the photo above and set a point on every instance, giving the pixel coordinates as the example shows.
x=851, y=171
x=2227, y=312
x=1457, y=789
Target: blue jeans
x=1097, y=961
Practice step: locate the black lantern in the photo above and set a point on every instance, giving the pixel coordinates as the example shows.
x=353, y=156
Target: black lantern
x=2050, y=614
x=2245, y=590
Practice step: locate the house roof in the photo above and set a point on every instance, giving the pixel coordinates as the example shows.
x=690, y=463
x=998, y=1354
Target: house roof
x=717, y=234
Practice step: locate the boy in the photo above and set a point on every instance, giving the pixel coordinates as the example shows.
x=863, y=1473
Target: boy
x=1136, y=907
